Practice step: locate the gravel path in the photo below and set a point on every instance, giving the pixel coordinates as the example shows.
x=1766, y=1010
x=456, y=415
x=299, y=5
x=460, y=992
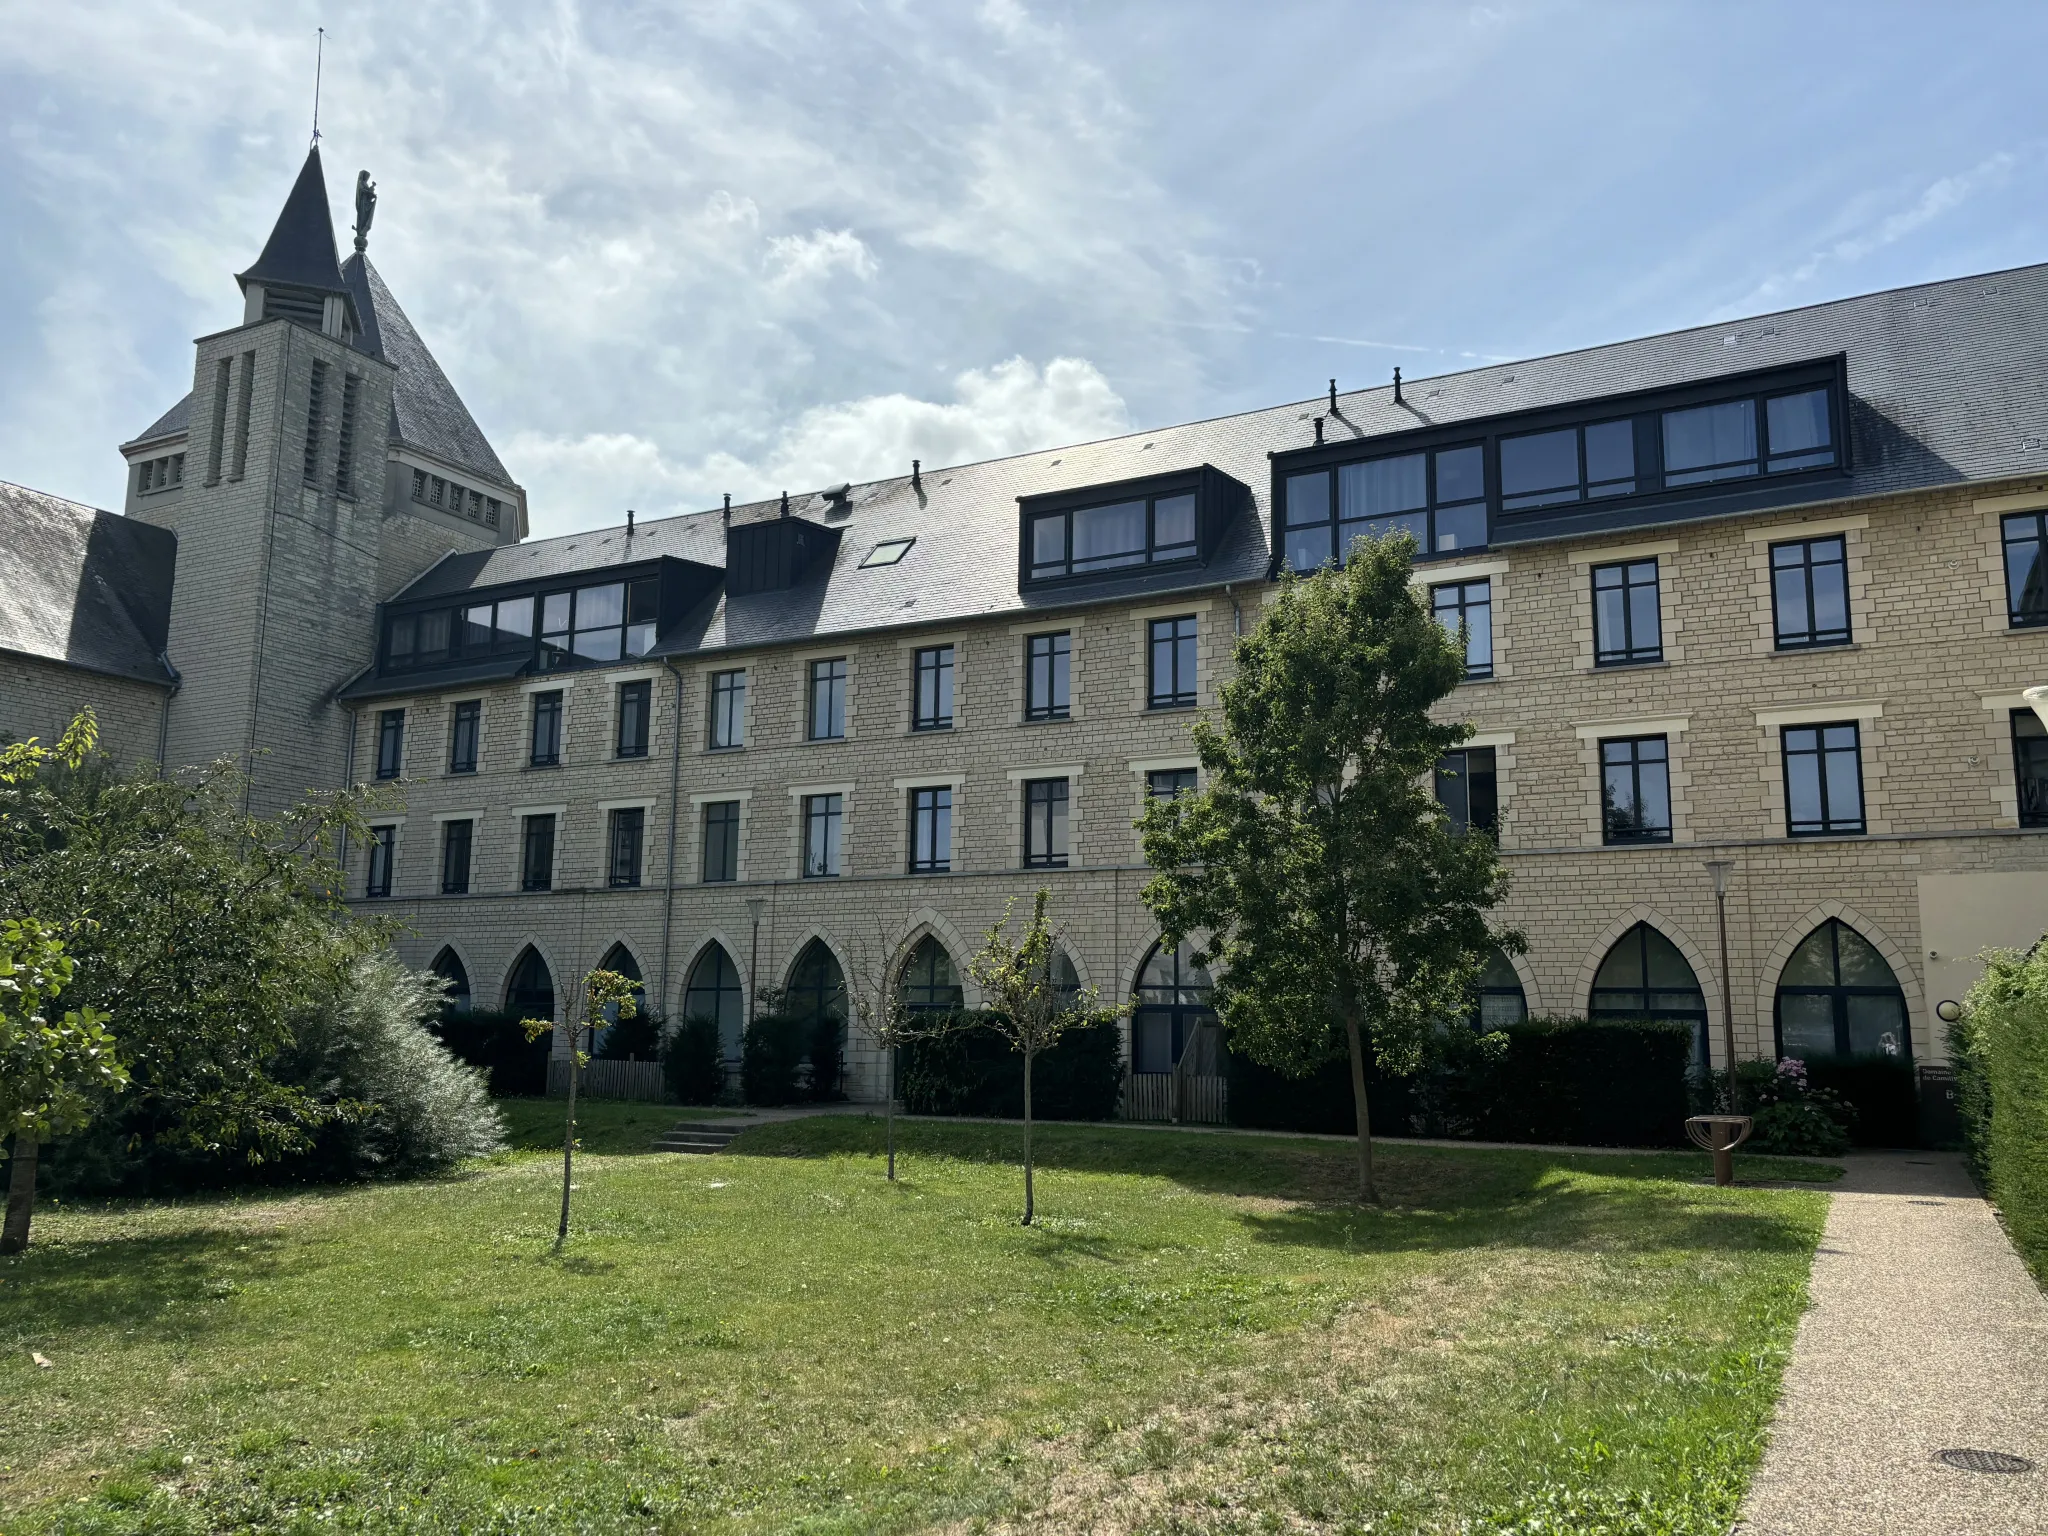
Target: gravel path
x=1926, y=1333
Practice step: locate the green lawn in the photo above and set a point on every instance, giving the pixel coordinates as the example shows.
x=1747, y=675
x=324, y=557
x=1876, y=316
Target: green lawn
x=602, y=1125
x=1198, y=1337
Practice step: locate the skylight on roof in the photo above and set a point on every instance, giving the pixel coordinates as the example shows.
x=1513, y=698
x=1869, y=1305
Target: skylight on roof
x=888, y=552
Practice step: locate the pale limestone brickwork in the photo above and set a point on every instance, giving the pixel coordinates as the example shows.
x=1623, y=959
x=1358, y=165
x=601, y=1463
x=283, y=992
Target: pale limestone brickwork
x=40, y=698
x=1929, y=670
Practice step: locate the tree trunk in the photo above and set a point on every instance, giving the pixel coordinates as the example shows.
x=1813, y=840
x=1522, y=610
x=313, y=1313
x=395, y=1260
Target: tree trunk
x=1028, y=1208
x=1355, y=1037
x=21, y=1194
x=889, y=1105
x=569, y=1141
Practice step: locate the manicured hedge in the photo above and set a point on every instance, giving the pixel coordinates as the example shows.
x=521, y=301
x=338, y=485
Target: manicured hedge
x=693, y=1062
x=1606, y=1083
x=2000, y=1049
x=1882, y=1092
x=788, y=1058
x=969, y=1069
x=497, y=1042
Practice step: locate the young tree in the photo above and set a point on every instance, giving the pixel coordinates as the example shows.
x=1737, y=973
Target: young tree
x=53, y=1072
x=1027, y=1009
x=607, y=996
x=1342, y=910
x=885, y=1020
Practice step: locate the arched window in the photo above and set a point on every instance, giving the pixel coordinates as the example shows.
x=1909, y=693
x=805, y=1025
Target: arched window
x=1173, y=1002
x=1837, y=997
x=713, y=992
x=817, y=987
x=1066, y=981
x=1645, y=977
x=1499, y=999
x=531, y=991
x=619, y=960
x=930, y=984
x=449, y=967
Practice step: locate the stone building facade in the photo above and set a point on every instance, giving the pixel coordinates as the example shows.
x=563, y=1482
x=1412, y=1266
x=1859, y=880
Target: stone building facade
x=1764, y=596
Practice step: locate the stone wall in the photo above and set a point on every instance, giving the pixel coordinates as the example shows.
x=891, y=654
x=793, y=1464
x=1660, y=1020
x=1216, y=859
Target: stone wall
x=40, y=698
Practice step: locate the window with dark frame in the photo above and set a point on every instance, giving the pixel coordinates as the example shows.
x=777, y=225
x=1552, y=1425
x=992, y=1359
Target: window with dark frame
x=728, y=728
x=622, y=862
x=1566, y=464
x=1627, y=626
x=823, y=818
x=636, y=710
x=825, y=719
x=931, y=830
x=1048, y=662
x=1635, y=790
x=546, y=749
x=457, y=837
x=390, y=743
x=721, y=841
x=1468, y=606
x=1169, y=783
x=2030, y=767
x=383, y=851
x=1170, y=663
x=1045, y=823
x=1438, y=497
x=609, y=622
x=1810, y=593
x=931, y=689
x=1823, y=780
x=1140, y=530
x=1468, y=790
x=600, y=623
x=2026, y=570
x=537, y=853
x=465, y=735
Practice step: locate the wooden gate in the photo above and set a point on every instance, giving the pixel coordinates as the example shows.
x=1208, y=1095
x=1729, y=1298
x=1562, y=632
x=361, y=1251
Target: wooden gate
x=1192, y=1098
x=641, y=1080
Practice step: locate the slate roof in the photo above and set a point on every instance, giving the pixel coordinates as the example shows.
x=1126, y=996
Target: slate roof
x=300, y=252
x=426, y=413
x=175, y=422
x=1945, y=382
x=88, y=588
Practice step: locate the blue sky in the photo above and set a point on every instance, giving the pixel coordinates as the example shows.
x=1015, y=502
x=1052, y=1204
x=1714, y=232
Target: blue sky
x=667, y=251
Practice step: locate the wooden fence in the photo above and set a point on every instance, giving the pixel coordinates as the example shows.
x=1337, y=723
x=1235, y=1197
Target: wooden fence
x=641, y=1080
x=1193, y=1098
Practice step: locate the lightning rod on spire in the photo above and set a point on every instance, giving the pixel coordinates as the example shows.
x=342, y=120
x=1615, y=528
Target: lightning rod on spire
x=319, y=58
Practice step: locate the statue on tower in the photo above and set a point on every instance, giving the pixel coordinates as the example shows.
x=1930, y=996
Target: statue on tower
x=366, y=208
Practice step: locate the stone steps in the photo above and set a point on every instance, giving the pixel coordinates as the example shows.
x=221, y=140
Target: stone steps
x=695, y=1136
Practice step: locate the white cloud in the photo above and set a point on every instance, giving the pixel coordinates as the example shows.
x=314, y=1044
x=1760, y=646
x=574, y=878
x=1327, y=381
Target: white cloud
x=796, y=259
x=1013, y=407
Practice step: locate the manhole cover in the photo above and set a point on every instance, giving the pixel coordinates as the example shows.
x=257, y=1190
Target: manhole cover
x=1984, y=1461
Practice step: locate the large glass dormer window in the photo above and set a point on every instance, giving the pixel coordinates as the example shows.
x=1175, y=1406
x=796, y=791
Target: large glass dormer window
x=1147, y=530
x=598, y=623
x=1437, y=498
x=605, y=622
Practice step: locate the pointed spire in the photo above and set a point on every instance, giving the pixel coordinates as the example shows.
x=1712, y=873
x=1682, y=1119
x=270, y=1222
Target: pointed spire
x=300, y=251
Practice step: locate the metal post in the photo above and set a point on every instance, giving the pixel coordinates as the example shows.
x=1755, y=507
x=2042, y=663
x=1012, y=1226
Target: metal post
x=754, y=906
x=1719, y=868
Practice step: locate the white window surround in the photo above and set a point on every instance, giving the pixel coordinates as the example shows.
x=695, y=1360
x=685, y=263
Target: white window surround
x=2018, y=501
x=799, y=791
x=952, y=781
x=640, y=803
x=714, y=796
x=440, y=816
x=1615, y=554
x=692, y=845
x=1501, y=739
x=1019, y=775
x=1818, y=714
x=1597, y=730
x=1194, y=605
x=957, y=640
x=1820, y=528
x=548, y=685
x=635, y=675
x=447, y=703
x=1143, y=765
x=1452, y=575
x=540, y=810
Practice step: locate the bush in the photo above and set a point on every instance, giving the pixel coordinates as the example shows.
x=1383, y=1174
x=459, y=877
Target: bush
x=825, y=1083
x=1571, y=1081
x=634, y=1039
x=1796, y=1130
x=2000, y=1048
x=372, y=1044
x=517, y=1067
x=969, y=1069
x=693, y=1063
x=771, y=1058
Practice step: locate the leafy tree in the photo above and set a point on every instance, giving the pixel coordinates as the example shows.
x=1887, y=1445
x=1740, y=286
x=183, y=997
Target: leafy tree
x=886, y=1020
x=1026, y=1008
x=1341, y=910
x=52, y=1072
x=210, y=931
x=607, y=996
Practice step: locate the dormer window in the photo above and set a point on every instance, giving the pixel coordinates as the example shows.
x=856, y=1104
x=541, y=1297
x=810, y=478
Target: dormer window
x=607, y=622
x=1162, y=520
x=598, y=623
